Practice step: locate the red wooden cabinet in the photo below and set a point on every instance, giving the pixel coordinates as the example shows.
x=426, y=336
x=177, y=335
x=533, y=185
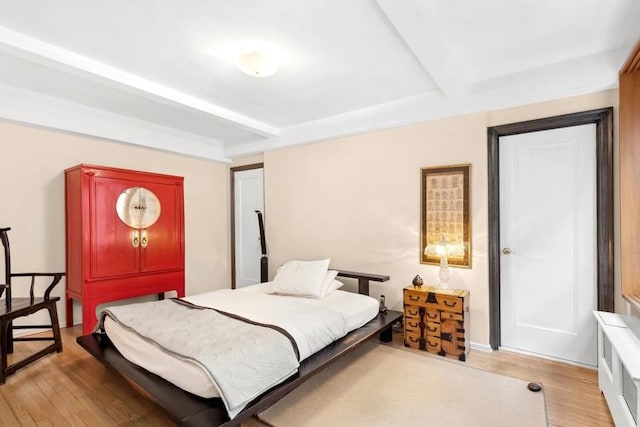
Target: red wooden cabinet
x=108, y=260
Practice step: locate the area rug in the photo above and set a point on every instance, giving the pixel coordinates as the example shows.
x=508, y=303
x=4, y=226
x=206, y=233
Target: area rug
x=378, y=385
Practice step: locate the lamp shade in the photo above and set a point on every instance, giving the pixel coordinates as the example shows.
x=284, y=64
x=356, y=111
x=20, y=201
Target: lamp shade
x=443, y=250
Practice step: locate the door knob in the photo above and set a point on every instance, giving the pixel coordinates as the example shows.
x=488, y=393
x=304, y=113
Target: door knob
x=506, y=251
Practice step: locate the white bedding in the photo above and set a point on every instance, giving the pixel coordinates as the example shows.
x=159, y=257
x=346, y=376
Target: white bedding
x=355, y=309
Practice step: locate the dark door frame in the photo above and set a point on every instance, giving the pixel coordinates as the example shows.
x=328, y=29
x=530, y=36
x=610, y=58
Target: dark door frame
x=603, y=118
x=233, y=214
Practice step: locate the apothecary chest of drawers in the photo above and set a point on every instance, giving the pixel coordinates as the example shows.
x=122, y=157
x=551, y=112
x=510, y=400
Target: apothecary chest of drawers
x=437, y=320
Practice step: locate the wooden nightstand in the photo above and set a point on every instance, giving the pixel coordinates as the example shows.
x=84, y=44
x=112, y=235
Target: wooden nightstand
x=437, y=320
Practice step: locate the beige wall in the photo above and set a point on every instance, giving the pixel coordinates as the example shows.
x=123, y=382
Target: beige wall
x=32, y=175
x=357, y=199
x=244, y=161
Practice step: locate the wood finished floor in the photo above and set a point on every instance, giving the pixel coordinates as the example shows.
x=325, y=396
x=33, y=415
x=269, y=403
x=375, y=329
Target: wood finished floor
x=73, y=389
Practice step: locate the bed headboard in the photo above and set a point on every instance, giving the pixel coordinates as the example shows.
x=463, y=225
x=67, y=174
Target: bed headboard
x=363, y=279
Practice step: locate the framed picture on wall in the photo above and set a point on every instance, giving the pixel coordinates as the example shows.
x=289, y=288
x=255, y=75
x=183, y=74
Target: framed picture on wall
x=445, y=215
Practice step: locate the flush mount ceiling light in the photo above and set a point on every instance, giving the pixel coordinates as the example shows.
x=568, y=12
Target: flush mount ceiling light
x=259, y=59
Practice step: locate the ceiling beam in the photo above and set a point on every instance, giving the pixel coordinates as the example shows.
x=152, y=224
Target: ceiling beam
x=22, y=106
x=38, y=51
x=421, y=33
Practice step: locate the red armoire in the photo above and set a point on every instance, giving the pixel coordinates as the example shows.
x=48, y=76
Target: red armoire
x=124, y=236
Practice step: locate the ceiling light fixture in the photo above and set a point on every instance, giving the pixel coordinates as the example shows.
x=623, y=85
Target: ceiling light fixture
x=259, y=59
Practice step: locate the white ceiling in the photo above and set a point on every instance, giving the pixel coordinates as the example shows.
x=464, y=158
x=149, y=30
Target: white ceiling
x=160, y=73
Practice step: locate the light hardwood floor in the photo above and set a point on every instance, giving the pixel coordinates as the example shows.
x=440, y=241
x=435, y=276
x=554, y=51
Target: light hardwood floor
x=73, y=389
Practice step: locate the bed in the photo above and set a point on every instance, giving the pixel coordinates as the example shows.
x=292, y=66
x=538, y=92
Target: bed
x=194, y=401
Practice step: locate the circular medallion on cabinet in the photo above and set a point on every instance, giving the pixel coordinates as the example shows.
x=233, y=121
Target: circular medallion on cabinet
x=138, y=207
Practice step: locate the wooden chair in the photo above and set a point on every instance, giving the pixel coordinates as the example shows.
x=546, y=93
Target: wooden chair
x=20, y=307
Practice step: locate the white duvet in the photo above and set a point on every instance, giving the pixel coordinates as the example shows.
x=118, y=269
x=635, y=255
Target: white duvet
x=311, y=326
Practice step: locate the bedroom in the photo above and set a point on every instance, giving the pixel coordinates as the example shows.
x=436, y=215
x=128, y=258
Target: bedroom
x=355, y=196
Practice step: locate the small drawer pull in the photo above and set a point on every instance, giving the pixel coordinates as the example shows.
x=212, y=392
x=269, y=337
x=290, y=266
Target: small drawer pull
x=431, y=329
x=450, y=305
x=432, y=316
x=432, y=345
x=412, y=298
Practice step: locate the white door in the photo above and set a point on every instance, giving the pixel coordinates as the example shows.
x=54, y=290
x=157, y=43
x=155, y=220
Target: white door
x=548, y=269
x=248, y=198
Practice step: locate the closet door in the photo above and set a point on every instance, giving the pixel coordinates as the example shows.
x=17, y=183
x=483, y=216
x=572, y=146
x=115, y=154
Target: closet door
x=112, y=250
x=161, y=243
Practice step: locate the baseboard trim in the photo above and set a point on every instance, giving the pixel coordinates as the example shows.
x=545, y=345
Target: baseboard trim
x=542, y=356
x=481, y=347
x=25, y=332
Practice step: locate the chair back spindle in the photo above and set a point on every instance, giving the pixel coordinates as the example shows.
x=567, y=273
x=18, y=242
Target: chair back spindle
x=7, y=262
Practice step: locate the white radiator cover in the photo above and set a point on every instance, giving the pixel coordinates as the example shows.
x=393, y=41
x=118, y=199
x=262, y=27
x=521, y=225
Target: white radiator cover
x=619, y=366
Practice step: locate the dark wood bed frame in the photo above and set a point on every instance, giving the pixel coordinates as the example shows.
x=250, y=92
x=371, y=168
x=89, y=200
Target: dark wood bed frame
x=191, y=410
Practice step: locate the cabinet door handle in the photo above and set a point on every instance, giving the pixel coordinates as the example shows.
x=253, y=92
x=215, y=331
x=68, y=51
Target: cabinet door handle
x=144, y=239
x=135, y=238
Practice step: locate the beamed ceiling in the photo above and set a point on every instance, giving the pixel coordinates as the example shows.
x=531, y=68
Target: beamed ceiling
x=161, y=73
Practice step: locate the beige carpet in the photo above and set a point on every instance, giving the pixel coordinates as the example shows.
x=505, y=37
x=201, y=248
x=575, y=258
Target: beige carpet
x=378, y=385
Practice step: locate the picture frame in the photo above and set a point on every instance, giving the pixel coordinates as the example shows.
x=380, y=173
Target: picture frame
x=445, y=215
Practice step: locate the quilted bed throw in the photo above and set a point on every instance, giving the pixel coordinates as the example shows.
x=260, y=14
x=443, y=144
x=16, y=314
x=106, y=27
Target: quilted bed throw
x=243, y=359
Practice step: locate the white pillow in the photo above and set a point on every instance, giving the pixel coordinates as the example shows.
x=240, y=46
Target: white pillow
x=330, y=284
x=301, y=278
